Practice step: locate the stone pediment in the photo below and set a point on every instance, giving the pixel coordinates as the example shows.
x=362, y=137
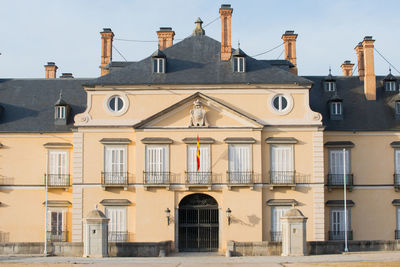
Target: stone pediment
x=199, y=111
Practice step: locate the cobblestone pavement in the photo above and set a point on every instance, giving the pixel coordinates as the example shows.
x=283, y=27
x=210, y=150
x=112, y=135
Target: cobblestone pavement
x=201, y=259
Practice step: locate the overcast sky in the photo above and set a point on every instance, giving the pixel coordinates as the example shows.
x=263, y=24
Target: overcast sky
x=67, y=32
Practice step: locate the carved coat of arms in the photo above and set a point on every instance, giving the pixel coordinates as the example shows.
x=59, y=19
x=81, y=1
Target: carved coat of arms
x=198, y=115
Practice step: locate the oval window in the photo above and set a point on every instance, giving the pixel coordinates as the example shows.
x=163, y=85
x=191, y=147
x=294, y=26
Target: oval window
x=115, y=103
x=280, y=102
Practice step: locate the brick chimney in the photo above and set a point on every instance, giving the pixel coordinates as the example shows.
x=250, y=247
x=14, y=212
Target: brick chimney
x=347, y=68
x=106, y=49
x=165, y=37
x=289, y=41
x=50, y=70
x=226, y=48
x=360, y=60
x=369, y=76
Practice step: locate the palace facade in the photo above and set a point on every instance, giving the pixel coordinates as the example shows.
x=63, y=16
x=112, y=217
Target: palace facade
x=126, y=143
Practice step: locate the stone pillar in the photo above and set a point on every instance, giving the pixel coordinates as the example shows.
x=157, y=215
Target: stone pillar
x=294, y=233
x=95, y=240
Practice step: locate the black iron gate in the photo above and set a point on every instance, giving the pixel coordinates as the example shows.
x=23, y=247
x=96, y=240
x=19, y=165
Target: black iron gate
x=198, y=223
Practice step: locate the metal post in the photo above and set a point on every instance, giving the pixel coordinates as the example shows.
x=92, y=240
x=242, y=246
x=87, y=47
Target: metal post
x=345, y=201
x=45, y=219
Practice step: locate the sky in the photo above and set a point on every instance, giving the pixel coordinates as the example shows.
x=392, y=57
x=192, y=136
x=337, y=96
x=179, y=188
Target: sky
x=34, y=32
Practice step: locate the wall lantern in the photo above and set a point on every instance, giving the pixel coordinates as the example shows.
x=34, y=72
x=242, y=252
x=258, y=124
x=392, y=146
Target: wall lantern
x=167, y=214
x=228, y=214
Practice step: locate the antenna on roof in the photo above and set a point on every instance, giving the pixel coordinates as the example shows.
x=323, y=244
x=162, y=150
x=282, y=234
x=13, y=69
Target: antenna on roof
x=238, y=44
x=330, y=70
x=390, y=70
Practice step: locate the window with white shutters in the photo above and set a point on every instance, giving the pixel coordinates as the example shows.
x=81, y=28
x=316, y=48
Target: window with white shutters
x=115, y=165
x=398, y=218
x=157, y=164
x=282, y=164
x=240, y=163
x=276, y=225
x=337, y=224
x=57, y=169
x=204, y=174
x=56, y=225
x=397, y=167
x=336, y=167
x=117, y=224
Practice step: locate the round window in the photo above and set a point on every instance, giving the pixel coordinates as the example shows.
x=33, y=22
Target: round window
x=115, y=103
x=280, y=102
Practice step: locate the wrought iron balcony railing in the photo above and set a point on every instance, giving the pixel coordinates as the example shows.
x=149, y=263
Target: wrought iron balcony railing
x=396, y=179
x=154, y=178
x=198, y=178
x=117, y=236
x=282, y=177
x=57, y=236
x=338, y=179
x=234, y=177
x=276, y=236
x=114, y=178
x=57, y=180
x=396, y=234
x=339, y=235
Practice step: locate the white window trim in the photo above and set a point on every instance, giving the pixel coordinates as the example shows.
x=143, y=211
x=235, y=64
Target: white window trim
x=166, y=167
x=125, y=155
x=336, y=108
x=159, y=61
x=397, y=218
x=332, y=210
x=125, y=107
x=390, y=86
x=202, y=146
x=348, y=159
x=122, y=225
x=271, y=156
x=60, y=112
x=274, y=226
x=231, y=146
x=397, y=107
x=288, y=108
x=63, y=211
x=240, y=64
x=50, y=151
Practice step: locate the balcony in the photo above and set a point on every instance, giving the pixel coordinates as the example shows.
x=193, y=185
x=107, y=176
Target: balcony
x=57, y=236
x=339, y=235
x=198, y=179
x=337, y=181
x=117, y=236
x=396, y=181
x=282, y=178
x=57, y=180
x=156, y=179
x=396, y=234
x=114, y=179
x=276, y=236
x=240, y=179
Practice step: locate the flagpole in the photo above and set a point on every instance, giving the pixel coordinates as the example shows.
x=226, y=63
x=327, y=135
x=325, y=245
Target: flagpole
x=345, y=201
x=45, y=220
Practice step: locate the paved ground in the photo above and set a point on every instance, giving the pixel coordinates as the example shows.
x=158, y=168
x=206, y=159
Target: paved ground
x=389, y=259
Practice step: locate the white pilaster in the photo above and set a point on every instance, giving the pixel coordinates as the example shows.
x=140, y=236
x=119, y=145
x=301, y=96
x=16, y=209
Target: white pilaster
x=319, y=195
x=77, y=190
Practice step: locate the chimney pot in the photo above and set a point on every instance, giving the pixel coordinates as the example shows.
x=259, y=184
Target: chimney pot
x=165, y=37
x=289, y=40
x=106, y=49
x=50, y=70
x=67, y=75
x=226, y=47
x=347, y=68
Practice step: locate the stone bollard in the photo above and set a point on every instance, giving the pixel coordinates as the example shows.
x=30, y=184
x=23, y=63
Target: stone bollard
x=96, y=235
x=294, y=233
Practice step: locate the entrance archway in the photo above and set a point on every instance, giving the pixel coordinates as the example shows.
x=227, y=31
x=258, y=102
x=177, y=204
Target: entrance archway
x=198, y=223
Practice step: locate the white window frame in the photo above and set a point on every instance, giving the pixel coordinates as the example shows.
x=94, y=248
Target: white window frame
x=60, y=229
x=60, y=112
x=240, y=172
x=59, y=168
x=336, y=108
x=397, y=107
x=205, y=163
x=330, y=86
x=117, y=108
x=398, y=218
x=390, y=86
x=240, y=64
x=109, y=165
x=333, y=159
x=160, y=66
x=276, y=223
x=118, y=222
x=279, y=108
x=164, y=166
x=274, y=165
x=333, y=224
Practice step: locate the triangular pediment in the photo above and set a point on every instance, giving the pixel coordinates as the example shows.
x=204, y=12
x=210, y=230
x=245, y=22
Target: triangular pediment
x=199, y=111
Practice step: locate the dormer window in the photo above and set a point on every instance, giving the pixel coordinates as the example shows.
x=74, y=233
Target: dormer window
x=60, y=112
x=397, y=110
x=158, y=65
x=239, y=60
x=389, y=82
x=158, y=62
x=336, y=108
x=239, y=64
x=330, y=86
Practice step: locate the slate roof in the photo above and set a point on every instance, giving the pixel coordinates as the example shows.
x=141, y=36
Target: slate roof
x=358, y=112
x=196, y=60
x=29, y=103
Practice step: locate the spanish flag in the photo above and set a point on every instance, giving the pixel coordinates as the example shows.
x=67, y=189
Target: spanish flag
x=198, y=153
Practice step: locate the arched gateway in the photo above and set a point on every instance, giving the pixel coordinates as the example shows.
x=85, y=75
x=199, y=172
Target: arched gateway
x=198, y=223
